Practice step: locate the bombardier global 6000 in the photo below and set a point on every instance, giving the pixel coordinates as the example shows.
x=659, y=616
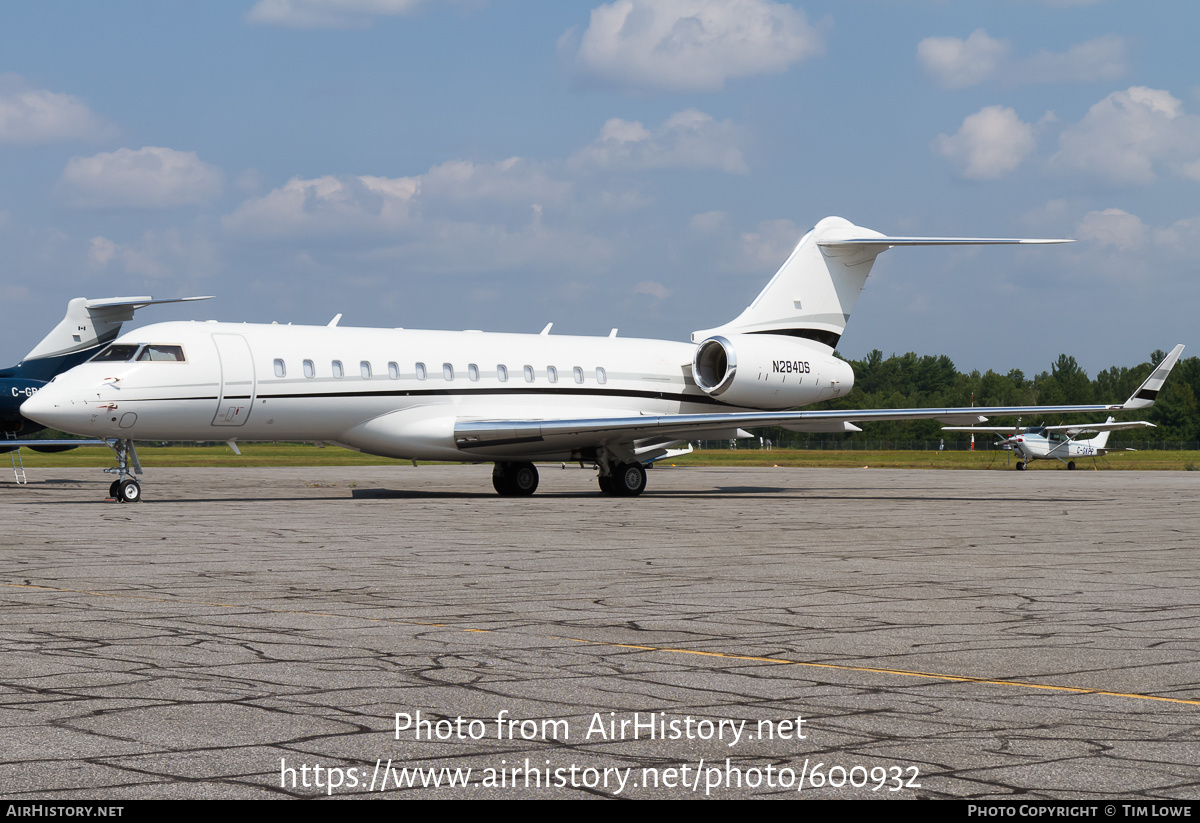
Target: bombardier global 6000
x=507, y=399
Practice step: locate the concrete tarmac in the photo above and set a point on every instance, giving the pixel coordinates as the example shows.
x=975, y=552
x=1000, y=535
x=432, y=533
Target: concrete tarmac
x=259, y=633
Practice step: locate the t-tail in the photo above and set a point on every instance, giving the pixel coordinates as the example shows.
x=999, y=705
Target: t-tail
x=813, y=293
x=88, y=325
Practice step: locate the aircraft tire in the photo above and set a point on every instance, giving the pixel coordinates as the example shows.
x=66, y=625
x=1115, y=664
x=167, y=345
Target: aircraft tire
x=524, y=479
x=1020, y=466
x=515, y=479
x=502, y=480
x=128, y=491
x=114, y=489
x=606, y=485
x=630, y=479
x=1071, y=466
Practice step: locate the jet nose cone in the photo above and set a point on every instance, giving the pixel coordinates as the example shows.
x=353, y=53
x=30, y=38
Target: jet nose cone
x=49, y=408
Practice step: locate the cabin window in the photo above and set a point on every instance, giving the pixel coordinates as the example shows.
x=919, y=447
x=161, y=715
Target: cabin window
x=578, y=374
x=529, y=374
x=364, y=369
x=601, y=375
x=502, y=373
x=552, y=374
x=116, y=354
x=309, y=369
x=394, y=370
x=338, y=371
x=172, y=354
x=280, y=369
x=473, y=373
x=421, y=373
x=447, y=371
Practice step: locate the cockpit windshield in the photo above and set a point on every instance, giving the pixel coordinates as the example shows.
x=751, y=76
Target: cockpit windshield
x=116, y=354
x=151, y=352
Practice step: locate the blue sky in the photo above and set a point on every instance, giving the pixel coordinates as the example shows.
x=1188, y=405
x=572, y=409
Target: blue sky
x=501, y=164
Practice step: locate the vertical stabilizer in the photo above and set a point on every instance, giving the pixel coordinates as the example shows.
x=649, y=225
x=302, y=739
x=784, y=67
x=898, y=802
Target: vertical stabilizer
x=90, y=324
x=815, y=290
x=1101, y=440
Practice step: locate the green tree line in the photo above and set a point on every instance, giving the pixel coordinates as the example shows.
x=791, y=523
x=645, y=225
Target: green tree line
x=925, y=381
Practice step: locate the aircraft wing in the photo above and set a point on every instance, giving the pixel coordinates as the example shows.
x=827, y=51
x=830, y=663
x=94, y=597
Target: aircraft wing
x=1098, y=427
x=567, y=433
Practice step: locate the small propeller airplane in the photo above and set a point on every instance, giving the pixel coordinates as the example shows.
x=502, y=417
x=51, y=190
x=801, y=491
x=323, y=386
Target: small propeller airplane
x=1059, y=442
x=1054, y=442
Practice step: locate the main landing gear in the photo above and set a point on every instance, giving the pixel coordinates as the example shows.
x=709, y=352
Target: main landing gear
x=125, y=488
x=623, y=479
x=515, y=479
x=521, y=479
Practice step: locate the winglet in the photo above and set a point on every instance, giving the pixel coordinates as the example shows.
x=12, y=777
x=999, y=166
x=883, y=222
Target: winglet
x=1147, y=393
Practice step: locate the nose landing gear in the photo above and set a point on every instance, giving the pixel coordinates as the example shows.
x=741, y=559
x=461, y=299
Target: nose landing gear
x=125, y=489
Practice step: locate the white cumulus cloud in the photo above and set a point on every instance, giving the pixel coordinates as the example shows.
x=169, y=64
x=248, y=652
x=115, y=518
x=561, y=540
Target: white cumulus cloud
x=32, y=116
x=955, y=63
x=1129, y=134
x=1114, y=228
x=991, y=143
x=319, y=14
x=687, y=139
x=349, y=204
x=689, y=45
x=150, y=177
x=328, y=206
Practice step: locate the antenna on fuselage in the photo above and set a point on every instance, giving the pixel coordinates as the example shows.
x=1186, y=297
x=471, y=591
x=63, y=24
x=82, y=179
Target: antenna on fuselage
x=335, y=320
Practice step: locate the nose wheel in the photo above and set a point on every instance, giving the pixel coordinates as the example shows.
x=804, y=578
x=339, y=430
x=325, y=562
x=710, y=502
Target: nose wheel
x=125, y=489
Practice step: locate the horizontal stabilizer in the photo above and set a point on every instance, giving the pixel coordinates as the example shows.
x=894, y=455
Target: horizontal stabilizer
x=938, y=241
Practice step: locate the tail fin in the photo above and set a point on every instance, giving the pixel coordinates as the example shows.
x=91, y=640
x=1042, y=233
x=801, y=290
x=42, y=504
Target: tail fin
x=815, y=290
x=1147, y=393
x=91, y=323
x=1101, y=439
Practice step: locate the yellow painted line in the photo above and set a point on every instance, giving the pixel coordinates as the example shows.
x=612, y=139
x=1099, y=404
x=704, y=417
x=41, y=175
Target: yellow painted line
x=951, y=678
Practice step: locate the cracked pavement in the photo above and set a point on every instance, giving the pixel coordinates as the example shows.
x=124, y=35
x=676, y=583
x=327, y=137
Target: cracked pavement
x=1001, y=635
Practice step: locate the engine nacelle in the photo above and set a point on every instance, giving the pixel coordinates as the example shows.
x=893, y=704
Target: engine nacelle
x=768, y=371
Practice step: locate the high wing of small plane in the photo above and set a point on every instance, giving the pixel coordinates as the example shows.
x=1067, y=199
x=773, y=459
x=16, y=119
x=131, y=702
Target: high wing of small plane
x=1054, y=442
x=1060, y=442
x=87, y=326
x=506, y=399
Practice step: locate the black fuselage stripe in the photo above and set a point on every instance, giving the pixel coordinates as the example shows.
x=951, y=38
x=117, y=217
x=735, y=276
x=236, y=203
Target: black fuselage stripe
x=563, y=392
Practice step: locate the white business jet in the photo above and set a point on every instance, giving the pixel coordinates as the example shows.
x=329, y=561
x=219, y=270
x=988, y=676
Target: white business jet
x=1055, y=442
x=507, y=399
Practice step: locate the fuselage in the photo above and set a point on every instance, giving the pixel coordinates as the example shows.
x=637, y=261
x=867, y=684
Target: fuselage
x=393, y=392
x=1036, y=445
